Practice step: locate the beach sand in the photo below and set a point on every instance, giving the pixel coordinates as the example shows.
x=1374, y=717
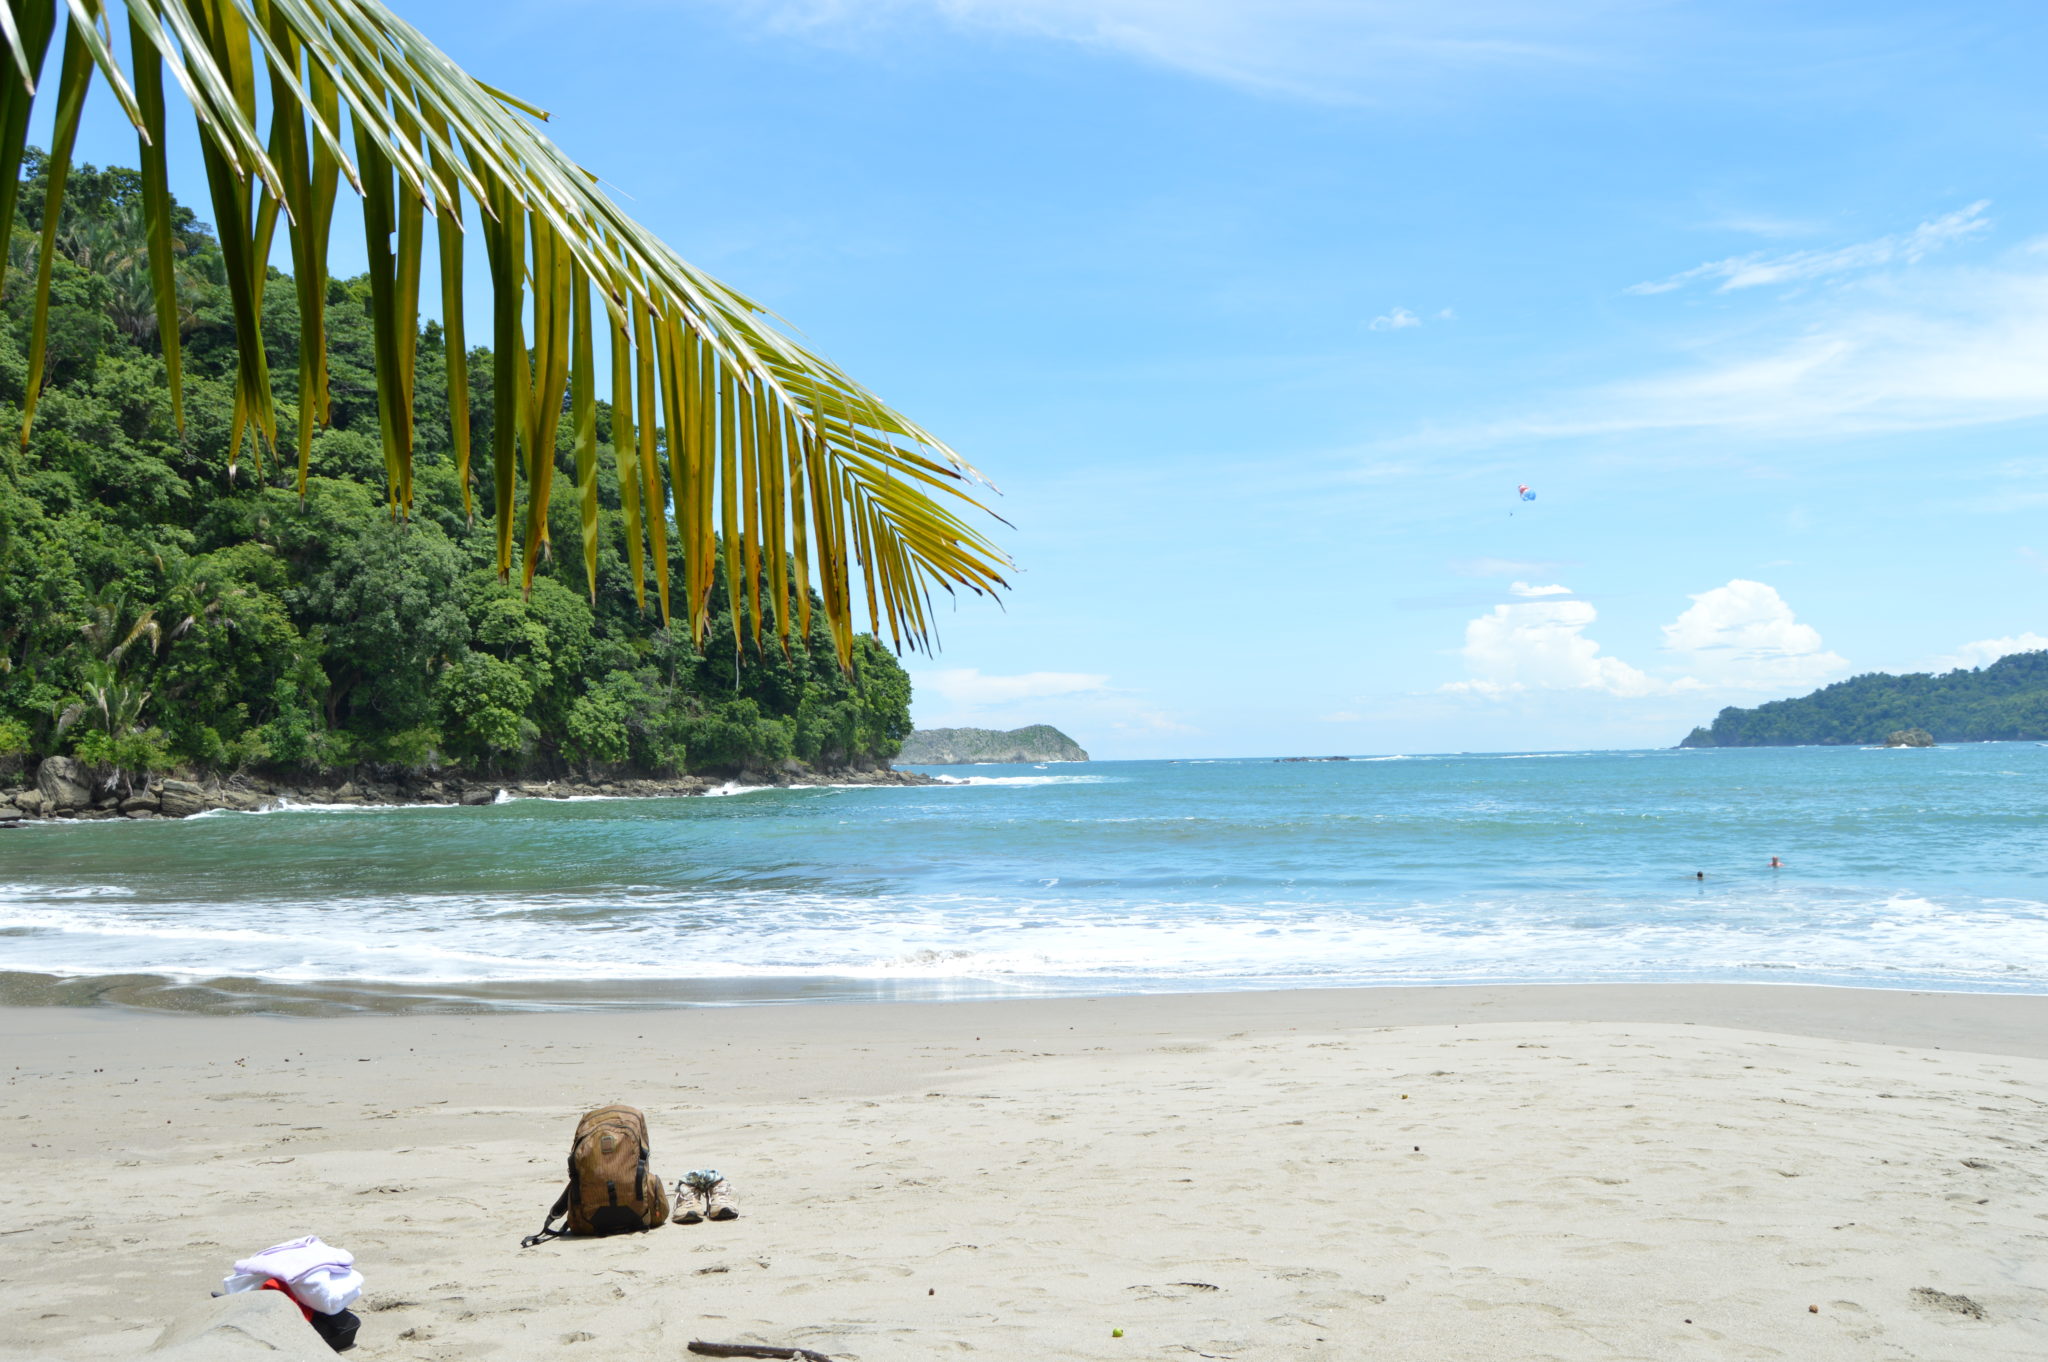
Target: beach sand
x=1655, y=1172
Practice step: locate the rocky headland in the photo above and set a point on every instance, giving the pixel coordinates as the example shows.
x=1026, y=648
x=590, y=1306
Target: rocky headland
x=972, y=746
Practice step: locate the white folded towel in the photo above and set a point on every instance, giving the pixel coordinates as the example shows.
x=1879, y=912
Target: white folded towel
x=319, y=1276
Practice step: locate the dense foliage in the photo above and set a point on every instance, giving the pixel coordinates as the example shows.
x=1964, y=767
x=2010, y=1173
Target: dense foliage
x=157, y=611
x=2006, y=700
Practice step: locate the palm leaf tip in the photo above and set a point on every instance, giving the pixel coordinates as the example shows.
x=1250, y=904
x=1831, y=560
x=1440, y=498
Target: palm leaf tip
x=770, y=447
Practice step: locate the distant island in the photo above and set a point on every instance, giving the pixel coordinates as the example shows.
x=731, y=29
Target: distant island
x=967, y=746
x=2005, y=701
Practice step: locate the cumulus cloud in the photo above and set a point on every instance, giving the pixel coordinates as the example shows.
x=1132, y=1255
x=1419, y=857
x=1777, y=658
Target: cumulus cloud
x=1400, y=319
x=1743, y=636
x=1988, y=650
x=1542, y=645
x=969, y=687
x=1757, y=269
x=1734, y=638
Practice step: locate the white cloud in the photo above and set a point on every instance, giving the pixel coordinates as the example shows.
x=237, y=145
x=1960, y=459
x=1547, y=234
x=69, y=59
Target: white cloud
x=1734, y=638
x=1542, y=645
x=1083, y=704
x=968, y=687
x=1936, y=349
x=1754, y=270
x=1397, y=320
x=1743, y=636
x=1988, y=650
x=1341, y=50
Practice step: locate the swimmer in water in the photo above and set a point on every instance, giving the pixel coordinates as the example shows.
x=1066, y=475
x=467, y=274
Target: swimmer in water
x=1699, y=874
x=1775, y=864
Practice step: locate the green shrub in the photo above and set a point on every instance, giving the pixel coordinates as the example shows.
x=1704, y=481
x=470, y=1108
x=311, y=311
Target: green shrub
x=14, y=748
x=597, y=728
x=124, y=757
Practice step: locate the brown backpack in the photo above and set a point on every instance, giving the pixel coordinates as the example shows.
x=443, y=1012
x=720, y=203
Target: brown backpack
x=610, y=1190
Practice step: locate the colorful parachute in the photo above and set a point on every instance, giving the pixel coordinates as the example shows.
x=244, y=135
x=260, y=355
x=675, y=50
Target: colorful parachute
x=1527, y=493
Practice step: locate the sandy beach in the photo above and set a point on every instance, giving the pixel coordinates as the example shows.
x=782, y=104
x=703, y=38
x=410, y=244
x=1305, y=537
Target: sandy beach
x=1612, y=1172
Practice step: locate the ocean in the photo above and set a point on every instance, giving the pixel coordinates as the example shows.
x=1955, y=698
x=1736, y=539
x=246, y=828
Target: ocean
x=1907, y=868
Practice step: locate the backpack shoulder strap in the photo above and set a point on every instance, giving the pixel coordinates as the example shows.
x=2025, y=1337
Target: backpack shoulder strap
x=547, y=1229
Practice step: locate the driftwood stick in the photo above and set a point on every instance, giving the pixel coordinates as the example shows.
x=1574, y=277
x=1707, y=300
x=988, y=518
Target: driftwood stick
x=703, y=1349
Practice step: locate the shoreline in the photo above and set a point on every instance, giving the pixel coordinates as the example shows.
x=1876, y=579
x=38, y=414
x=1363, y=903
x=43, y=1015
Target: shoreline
x=147, y=994
x=178, y=799
x=1636, y=1170
x=1991, y=1023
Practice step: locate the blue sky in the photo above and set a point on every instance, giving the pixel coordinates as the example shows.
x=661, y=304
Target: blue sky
x=1259, y=310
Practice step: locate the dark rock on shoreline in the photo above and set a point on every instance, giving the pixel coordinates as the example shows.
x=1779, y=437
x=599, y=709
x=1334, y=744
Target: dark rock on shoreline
x=62, y=790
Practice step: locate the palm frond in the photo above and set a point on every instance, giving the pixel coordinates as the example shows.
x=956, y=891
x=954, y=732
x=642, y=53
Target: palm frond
x=769, y=445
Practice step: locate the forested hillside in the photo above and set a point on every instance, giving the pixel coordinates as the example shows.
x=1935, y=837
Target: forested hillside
x=159, y=612
x=2006, y=700
x=962, y=746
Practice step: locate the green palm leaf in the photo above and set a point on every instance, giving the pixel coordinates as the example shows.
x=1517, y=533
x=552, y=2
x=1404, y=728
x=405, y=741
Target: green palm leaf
x=769, y=445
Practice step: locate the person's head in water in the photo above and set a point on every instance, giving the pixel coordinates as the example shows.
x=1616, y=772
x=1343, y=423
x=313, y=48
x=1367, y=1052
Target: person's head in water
x=1775, y=865
x=1699, y=874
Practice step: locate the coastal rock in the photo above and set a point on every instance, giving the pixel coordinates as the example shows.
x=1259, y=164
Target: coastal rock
x=478, y=796
x=62, y=784
x=251, y=1324
x=148, y=800
x=966, y=746
x=1909, y=737
x=30, y=802
x=180, y=799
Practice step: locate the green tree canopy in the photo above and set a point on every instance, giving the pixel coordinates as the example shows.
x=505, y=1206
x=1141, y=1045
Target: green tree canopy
x=779, y=467
x=156, y=612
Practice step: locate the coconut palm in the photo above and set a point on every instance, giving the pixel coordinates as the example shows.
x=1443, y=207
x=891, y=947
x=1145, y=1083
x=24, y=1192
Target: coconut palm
x=112, y=703
x=781, y=468
x=109, y=632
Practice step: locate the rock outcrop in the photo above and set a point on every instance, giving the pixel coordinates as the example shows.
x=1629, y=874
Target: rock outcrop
x=173, y=797
x=969, y=746
x=1909, y=737
x=63, y=784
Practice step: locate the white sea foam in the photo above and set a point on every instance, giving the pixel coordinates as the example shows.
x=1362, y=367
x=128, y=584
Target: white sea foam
x=445, y=939
x=289, y=805
x=1025, y=780
x=18, y=892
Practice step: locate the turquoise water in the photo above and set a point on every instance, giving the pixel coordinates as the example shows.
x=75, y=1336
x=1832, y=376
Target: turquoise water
x=1901, y=868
